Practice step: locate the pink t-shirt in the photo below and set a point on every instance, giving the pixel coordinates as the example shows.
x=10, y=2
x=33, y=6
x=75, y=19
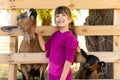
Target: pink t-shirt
x=60, y=47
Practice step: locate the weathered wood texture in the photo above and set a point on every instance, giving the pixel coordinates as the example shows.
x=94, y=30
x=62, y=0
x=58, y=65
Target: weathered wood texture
x=23, y=58
x=80, y=30
x=116, y=44
x=13, y=46
x=52, y=4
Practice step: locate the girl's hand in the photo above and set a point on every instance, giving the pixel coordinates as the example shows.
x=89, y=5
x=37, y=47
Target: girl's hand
x=38, y=33
x=62, y=78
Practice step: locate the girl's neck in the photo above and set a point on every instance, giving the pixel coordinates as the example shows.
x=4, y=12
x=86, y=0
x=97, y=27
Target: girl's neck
x=62, y=30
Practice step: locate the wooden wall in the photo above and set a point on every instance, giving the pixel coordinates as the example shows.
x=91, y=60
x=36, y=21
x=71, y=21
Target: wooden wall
x=14, y=5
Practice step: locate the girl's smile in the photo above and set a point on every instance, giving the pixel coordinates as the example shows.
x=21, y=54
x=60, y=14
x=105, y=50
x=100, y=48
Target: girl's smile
x=61, y=20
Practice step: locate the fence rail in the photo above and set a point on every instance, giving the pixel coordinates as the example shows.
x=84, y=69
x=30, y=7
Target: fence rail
x=80, y=30
x=52, y=4
x=23, y=58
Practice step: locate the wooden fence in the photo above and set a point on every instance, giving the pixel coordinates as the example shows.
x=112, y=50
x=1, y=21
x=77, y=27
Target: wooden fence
x=14, y=58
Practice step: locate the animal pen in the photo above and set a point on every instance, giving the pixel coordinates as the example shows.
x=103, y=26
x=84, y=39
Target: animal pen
x=14, y=58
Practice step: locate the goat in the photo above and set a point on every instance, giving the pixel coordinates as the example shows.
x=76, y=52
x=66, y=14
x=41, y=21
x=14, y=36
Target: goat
x=89, y=69
x=27, y=22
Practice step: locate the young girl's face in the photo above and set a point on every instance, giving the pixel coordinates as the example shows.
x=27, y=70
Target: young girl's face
x=62, y=20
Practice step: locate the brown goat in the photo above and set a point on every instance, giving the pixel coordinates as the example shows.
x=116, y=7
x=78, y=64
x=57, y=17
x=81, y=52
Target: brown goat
x=89, y=69
x=30, y=44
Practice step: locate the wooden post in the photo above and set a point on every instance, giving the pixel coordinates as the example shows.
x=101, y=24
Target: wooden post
x=116, y=44
x=13, y=46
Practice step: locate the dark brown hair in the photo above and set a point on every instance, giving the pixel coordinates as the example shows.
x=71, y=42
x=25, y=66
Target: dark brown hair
x=66, y=10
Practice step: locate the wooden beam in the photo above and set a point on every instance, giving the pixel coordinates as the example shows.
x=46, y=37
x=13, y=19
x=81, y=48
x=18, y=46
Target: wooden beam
x=73, y=4
x=46, y=30
x=40, y=4
x=94, y=4
x=83, y=31
x=26, y=58
x=13, y=46
x=5, y=58
x=116, y=43
x=97, y=30
x=52, y=4
x=5, y=4
x=113, y=56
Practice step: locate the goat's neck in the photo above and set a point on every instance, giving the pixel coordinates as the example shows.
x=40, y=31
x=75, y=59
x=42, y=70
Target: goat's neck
x=29, y=36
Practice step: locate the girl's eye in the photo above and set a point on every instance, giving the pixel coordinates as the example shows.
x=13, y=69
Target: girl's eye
x=56, y=16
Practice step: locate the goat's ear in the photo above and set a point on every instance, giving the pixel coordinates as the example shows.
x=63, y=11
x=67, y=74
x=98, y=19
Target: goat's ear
x=9, y=28
x=83, y=53
x=102, y=64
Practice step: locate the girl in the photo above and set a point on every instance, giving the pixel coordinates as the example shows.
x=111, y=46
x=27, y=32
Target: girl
x=62, y=46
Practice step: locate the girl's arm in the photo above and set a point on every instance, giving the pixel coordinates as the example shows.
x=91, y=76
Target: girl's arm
x=41, y=41
x=66, y=69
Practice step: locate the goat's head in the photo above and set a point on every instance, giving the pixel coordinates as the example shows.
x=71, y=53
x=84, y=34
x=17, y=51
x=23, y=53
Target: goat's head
x=92, y=62
x=27, y=20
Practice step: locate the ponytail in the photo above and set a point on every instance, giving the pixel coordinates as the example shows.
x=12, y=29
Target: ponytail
x=72, y=28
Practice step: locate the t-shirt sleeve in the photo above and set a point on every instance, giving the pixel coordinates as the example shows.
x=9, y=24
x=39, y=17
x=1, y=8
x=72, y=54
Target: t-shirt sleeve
x=71, y=48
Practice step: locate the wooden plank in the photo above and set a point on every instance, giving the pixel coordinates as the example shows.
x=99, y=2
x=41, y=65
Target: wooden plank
x=52, y=4
x=113, y=56
x=25, y=58
x=13, y=45
x=73, y=4
x=13, y=48
x=40, y=4
x=5, y=58
x=12, y=72
x=117, y=23
x=97, y=30
x=46, y=30
x=5, y=4
x=94, y=4
x=13, y=33
x=83, y=30
x=116, y=43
